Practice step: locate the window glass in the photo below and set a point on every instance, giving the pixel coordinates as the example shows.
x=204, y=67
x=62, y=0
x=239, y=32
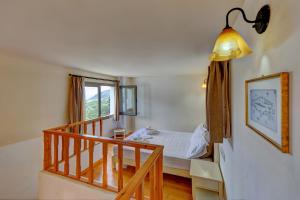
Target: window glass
x=107, y=100
x=91, y=102
x=99, y=100
x=128, y=101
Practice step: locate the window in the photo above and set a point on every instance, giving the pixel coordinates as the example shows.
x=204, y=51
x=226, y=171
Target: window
x=91, y=102
x=107, y=100
x=99, y=100
x=128, y=100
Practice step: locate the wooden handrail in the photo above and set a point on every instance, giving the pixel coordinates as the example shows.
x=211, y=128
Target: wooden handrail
x=104, y=139
x=139, y=176
x=61, y=138
x=79, y=123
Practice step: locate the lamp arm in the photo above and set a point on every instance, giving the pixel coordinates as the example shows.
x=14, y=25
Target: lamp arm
x=243, y=13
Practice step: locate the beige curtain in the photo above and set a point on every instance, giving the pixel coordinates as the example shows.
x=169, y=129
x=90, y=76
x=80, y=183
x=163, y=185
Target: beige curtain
x=76, y=99
x=117, y=101
x=218, y=108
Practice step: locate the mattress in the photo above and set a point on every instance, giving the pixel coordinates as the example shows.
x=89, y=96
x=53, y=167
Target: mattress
x=175, y=144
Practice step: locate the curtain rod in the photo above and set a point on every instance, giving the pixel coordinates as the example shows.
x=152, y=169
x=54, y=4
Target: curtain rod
x=102, y=79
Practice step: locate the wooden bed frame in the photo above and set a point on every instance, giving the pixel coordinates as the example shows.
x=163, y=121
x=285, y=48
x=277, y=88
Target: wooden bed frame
x=168, y=170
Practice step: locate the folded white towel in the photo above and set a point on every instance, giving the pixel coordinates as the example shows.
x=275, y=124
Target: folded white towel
x=151, y=131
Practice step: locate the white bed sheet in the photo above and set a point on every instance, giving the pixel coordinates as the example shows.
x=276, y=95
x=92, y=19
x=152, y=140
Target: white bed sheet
x=175, y=144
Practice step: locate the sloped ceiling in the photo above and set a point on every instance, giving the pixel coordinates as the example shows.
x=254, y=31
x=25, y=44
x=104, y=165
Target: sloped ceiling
x=117, y=37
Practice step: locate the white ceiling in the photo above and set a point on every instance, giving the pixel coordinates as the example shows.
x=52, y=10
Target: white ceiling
x=117, y=37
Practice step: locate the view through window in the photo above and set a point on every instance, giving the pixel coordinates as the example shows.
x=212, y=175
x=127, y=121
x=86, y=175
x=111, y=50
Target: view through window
x=91, y=102
x=99, y=100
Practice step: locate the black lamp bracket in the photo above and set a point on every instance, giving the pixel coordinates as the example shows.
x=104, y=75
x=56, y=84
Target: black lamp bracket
x=260, y=23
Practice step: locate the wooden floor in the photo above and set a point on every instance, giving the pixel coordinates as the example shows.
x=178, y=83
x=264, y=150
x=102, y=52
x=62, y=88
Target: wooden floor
x=175, y=188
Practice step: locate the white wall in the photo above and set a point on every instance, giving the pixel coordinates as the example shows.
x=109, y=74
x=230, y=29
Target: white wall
x=33, y=98
x=171, y=102
x=253, y=168
x=19, y=166
x=58, y=187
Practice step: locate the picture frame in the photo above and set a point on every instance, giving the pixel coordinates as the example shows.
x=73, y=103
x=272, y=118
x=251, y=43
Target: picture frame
x=267, y=108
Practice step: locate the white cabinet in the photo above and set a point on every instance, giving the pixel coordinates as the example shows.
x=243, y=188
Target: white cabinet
x=207, y=181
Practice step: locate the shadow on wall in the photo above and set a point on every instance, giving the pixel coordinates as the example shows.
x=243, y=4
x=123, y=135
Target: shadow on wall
x=144, y=101
x=281, y=28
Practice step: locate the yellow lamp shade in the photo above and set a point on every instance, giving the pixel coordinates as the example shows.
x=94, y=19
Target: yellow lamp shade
x=229, y=45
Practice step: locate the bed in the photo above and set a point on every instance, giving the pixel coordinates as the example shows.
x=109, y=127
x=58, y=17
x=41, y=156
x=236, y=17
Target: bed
x=176, y=145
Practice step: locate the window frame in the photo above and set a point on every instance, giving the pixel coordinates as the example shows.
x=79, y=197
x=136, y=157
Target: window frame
x=120, y=103
x=98, y=85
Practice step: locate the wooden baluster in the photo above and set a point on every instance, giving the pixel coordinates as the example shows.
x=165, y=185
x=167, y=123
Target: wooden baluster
x=85, y=141
x=101, y=126
x=159, y=175
x=66, y=155
x=94, y=127
x=62, y=145
x=139, y=191
x=55, y=152
x=139, y=195
x=50, y=149
x=104, y=166
x=91, y=162
x=137, y=158
x=152, y=183
x=76, y=130
x=80, y=128
x=78, y=157
x=120, y=167
x=47, y=150
x=46, y=155
x=156, y=179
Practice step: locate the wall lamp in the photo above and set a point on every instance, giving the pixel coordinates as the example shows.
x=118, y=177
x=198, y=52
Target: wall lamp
x=230, y=44
x=204, y=84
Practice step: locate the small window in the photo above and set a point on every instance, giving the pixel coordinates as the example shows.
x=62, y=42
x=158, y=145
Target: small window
x=128, y=100
x=107, y=100
x=99, y=100
x=91, y=102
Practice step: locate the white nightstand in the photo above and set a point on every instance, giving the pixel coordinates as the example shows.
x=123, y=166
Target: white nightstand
x=119, y=133
x=207, y=181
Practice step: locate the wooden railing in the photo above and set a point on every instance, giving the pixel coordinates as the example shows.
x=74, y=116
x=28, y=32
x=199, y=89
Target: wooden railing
x=57, y=156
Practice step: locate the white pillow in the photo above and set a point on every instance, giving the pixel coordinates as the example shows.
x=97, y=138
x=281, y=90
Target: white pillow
x=199, y=141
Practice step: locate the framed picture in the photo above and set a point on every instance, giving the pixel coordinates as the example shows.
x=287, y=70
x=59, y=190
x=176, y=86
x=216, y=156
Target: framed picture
x=267, y=108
